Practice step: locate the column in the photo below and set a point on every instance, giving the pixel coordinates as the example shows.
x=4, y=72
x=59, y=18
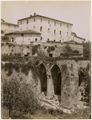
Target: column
x=50, y=85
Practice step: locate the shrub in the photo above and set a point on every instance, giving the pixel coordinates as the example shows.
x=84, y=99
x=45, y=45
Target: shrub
x=87, y=50
x=18, y=96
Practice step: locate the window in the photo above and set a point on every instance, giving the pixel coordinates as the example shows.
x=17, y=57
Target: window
x=48, y=29
x=22, y=34
x=50, y=55
x=55, y=23
x=41, y=28
x=34, y=19
x=60, y=32
x=48, y=21
x=41, y=38
x=41, y=19
x=35, y=39
x=12, y=40
x=48, y=40
x=67, y=25
x=27, y=21
x=67, y=33
x=56, y=46
x=20, y=22
x=60, y=24
x=54, y=31
x=54, y=40
x=33, y=27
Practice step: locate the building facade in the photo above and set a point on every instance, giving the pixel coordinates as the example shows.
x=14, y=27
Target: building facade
x=25, y=37
x=50, y=29
x=7, y=27
x=76, y=38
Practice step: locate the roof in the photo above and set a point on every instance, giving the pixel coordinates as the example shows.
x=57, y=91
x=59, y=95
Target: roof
x=23, y=32
x=32, y=16
x=72, y=42
x=77, y=36
x=3, y=22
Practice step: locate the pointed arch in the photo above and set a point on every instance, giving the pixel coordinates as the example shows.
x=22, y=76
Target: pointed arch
x=43, y=78
x=56, y=76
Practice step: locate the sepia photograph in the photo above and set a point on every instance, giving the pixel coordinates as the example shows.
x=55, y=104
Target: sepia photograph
x=45, y=59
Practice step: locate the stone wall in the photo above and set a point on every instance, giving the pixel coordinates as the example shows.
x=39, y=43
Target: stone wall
x=70, y=89
x=50, y=49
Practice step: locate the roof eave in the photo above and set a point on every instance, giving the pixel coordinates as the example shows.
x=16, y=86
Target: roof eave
x=45, y=17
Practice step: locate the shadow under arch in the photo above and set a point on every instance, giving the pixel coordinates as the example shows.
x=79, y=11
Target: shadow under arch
x=43, y=78
x=56, y=76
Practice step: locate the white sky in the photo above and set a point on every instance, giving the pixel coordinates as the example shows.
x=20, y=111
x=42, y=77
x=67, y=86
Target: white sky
x=76, y=12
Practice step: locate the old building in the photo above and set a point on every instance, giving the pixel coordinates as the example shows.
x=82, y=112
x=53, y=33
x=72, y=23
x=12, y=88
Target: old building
x=52, y=35
x=50, y=29
x=76, y=38
x=7, y=27
x=24, y=37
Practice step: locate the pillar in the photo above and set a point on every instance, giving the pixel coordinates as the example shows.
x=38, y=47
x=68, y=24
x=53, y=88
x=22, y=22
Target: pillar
x=69, y=86
x=50, y=85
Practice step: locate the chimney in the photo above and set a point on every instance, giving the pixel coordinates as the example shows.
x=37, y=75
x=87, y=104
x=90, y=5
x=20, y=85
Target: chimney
x=30, y=15
x=34, y=14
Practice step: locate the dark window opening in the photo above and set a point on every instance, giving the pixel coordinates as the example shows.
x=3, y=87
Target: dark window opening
x=48, y=29
x=48, y=21
x=22, y=34
x=60, y=32
x=41, y=38
x=50, y=55
x=67, y=33
x=41, y=28
x=54, y=31
x=35, y=39
x=55, y=23
x=56, y=46
x=27, y=21
x=41, y=19
x=54, y=40
x=34, y=19
x=12, y=39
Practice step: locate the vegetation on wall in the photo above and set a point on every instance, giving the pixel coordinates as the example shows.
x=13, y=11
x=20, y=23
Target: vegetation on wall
x=50, y=48
x=84, y=78
x=35, y=49
x=87, y=50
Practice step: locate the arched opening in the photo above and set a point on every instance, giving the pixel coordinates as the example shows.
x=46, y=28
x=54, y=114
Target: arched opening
x=43, y=78
x=56, y=76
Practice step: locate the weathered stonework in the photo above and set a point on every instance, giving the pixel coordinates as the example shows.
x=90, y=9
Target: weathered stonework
x=70, y=89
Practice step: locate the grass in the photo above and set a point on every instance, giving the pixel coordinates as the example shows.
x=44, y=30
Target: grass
x=40, y=114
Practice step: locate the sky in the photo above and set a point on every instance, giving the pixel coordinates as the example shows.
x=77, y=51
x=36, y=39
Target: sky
x=76, y=12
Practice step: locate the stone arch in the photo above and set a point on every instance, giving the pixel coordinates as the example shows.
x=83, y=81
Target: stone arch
x=43, y=77
x=56, y=76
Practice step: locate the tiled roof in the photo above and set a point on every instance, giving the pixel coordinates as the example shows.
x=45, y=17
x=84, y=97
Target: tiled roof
x=32, y=16
x=71, y=42
x=3, y=22
x=23, y=32
x=73, y=33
